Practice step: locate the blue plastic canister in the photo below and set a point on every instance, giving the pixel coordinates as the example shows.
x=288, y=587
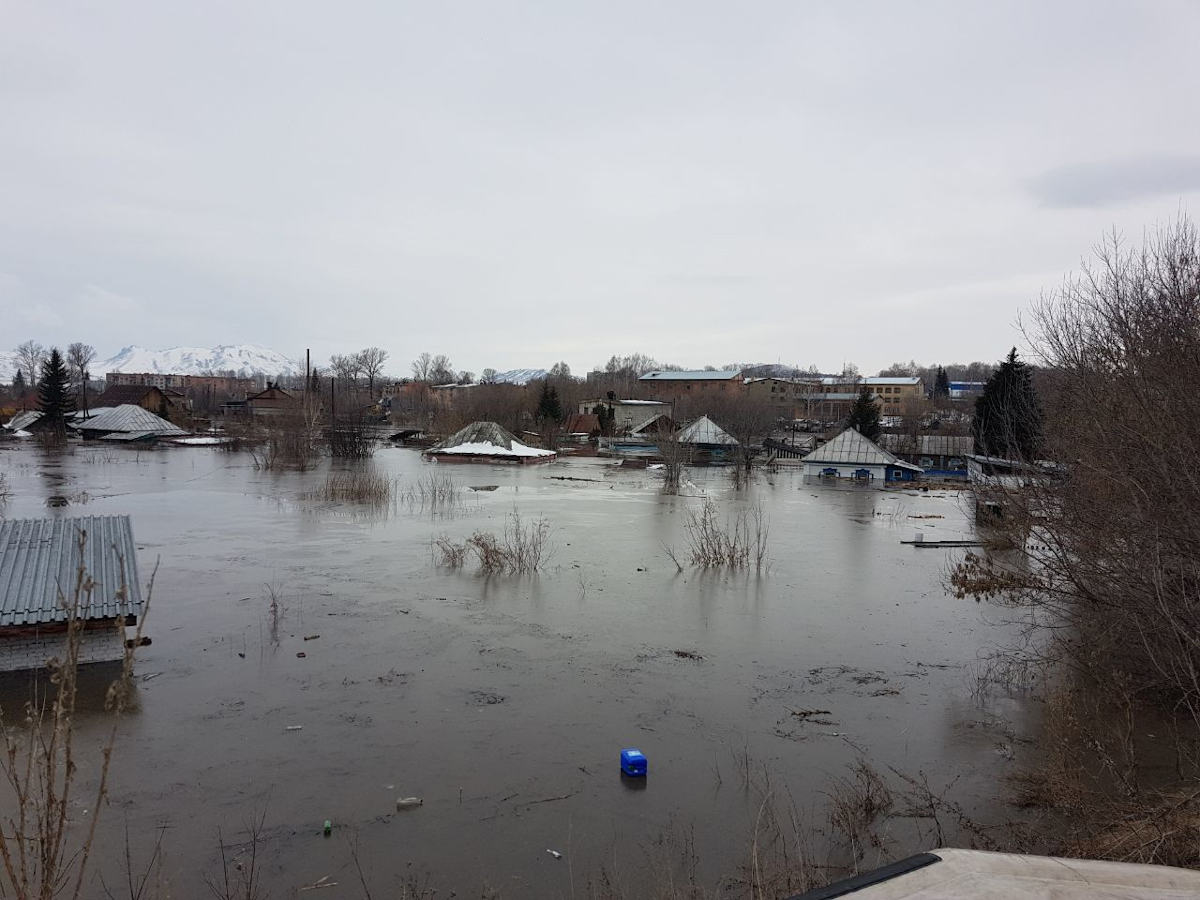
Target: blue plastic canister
x=633, y=762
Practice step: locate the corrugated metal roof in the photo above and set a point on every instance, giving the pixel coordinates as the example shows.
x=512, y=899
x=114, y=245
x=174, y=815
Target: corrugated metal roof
x=39, y=566
x=852, y=448
x=128, y=417
x=705, y=431
x=23, y=420
x=929, y=444
x=703, y=375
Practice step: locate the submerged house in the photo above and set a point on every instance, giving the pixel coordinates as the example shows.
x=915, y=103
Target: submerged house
x=128, y=423
x=851, y=455
x=487, y=442
x=641, y=441
x=40, y=561
x=939, y=455
x=707, y=440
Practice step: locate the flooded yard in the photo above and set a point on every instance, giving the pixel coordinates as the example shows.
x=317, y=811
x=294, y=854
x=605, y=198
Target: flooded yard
x=503, y=701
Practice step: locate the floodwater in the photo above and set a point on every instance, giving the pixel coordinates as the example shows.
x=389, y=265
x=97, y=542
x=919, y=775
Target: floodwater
x=503, y=701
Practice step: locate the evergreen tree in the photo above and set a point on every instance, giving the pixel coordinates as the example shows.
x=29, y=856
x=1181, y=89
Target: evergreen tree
x=54, y=394
x=1008, y=417
x=864, y=415
x=941, y=385
x=549, y=408
x=18, y=383
x=607, y=418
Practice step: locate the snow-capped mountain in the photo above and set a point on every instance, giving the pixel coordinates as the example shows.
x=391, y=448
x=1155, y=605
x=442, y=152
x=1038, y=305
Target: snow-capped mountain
x=518, y=376
x=8, y=366
x=244, y=359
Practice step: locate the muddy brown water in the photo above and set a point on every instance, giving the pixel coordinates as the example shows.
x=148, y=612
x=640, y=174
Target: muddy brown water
x=503, y=701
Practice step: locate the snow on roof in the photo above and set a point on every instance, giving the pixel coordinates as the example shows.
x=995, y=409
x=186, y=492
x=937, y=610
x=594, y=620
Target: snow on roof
x=705, y=431
x=128, y=417
x=852, y=448
x=485, y=439
x=899, y=379
x=692, y=375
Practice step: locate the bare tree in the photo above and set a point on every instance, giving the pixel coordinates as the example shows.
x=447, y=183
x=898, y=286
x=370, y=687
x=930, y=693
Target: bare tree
x=441, y=370
x=345, y=368
x=1104, y=547
x=30, y=356
x=422, y=366
x=370, y=363
x=79, y=358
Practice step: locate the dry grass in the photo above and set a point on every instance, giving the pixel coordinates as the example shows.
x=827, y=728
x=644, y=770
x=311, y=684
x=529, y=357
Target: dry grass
x=368, y=488
x=435, y=492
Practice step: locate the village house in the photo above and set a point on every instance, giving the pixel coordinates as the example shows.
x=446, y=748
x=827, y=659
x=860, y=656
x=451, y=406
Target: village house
x=675, y=385
x=166, y=403
x=487, y=442
x=626, y=413
x=127, y=423
x=938, y=455
x=38, y=557
x=852, y=455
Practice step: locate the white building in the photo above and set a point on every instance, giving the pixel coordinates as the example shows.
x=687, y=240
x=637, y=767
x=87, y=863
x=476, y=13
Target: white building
x=850, y=455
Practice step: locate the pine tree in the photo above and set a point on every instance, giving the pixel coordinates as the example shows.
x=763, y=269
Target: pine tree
x=941, y=385
x=549, y=408
x=864, y=415
x=18, y=383
x=54, y=394
x=1008, y=417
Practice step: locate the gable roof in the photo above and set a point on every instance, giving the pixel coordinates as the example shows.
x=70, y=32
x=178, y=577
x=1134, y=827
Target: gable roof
x=128, y=417
x=705, y=431
x=119, y=394
x=852, y=448
x=582, y=423
x=655, y=424
x=691, y=375
x=40, y=558
x=485, y=439
x=23, y=420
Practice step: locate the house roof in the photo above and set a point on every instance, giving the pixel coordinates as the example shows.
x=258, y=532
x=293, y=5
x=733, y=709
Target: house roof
x=645, y=427
x=852, y=448
x=40, y=561
x=929, y=444
x=583, y=423
x=693, y=375
x=128, y=417
x=705, y=431
x=120, y=394
x=485, y=439
x=23, y=420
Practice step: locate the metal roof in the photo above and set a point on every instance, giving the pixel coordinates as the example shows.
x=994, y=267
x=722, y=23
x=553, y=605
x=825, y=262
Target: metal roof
x=705, y=431
x=852, y=448
x=23, y=420
x=40, y=561
x=128, y=417
x=929, y=444
x=702, y=375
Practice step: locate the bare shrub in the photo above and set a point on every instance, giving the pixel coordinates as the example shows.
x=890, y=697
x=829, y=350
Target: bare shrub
x=41, y=856
x=287, y=440
x=1103, y=549
x=521, y=549
x=739, y=542
x=855, y=804
x=352, y=439
x=370, y=488
x=450, y=554
x=5, y=491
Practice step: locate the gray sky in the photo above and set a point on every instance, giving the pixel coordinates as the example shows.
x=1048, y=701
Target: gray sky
x=515, y=183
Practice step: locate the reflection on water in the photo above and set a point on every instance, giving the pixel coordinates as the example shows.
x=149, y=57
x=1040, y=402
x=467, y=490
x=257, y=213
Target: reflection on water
x=503, y=702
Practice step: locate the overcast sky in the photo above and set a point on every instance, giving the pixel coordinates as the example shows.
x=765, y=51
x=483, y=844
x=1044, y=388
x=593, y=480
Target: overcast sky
x=514, y=183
